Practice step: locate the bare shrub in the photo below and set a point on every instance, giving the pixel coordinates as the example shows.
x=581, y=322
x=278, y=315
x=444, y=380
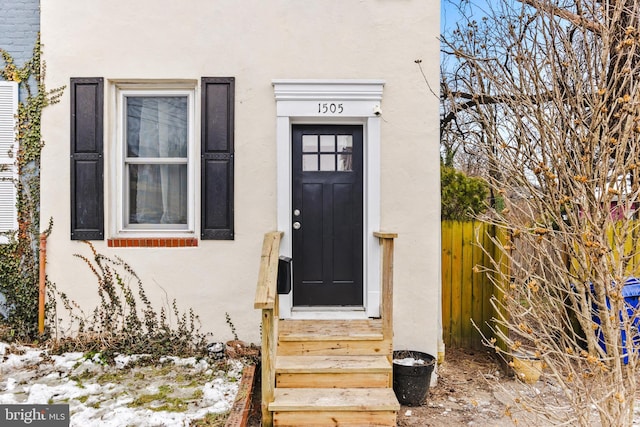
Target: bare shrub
x=546, y=93
x=125, y=321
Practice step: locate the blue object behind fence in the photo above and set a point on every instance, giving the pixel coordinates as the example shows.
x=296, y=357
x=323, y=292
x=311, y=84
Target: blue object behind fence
x=631, y=295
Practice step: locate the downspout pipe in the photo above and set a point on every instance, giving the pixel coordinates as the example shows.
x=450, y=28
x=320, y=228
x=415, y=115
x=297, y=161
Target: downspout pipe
x=42, y=282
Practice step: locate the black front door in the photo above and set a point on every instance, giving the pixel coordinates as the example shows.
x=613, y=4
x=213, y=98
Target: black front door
x=327, y=215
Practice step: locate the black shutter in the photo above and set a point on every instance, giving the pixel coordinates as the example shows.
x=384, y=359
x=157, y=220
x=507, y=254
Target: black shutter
x=217, y=158
x=87, y=206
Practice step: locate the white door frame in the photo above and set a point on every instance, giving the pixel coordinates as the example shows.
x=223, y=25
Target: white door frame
x=332, y=102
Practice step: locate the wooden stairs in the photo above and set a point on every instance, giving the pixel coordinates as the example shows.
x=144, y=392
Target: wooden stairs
x=333, y=373
x=325, y=372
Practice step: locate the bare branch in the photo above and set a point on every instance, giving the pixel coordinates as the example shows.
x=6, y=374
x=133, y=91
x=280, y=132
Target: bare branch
x=424, y=76
x=577, y=20
x=476, y=100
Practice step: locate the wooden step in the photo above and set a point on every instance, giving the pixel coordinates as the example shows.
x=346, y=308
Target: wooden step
x=338, y=337
x=334, y=406
x=330, y=330
x=333, y=371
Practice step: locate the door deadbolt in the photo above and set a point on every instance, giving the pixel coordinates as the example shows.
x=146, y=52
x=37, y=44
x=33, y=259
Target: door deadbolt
x=296, y=212
x=296, y=225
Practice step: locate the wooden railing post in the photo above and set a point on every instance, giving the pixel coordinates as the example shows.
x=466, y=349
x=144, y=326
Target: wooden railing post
x=386, y=308
x=268, y=373
x=267, y=301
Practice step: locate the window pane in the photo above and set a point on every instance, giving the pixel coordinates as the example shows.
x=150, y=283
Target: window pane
x=327, y=143
x=310, y=162
x=345, y=148
x=345, y=142
x=310, y=143
x=327, y=162
x=156, y=126
x=157, y=194
x=344, y=162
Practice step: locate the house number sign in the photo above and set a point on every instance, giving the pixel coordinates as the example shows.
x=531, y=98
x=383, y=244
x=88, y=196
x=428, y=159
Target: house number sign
x=330, y=108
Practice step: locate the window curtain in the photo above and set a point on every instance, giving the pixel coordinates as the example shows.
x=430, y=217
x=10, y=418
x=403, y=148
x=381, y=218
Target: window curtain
x=157, y=129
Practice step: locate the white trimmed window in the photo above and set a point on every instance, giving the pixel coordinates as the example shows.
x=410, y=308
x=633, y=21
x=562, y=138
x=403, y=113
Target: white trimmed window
x=155, y=152
x=152, y=160
x=8, y=170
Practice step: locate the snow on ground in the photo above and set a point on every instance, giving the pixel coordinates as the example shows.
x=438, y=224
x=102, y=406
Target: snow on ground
x=169, y=393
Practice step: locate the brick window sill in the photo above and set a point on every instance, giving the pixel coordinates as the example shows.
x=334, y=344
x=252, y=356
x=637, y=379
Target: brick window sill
x=180, y=242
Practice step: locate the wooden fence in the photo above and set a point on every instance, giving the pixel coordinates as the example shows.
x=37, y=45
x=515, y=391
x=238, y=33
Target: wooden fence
x=467, y=291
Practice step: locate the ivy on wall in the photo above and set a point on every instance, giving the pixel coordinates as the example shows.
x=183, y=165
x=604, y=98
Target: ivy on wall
x=19, y=269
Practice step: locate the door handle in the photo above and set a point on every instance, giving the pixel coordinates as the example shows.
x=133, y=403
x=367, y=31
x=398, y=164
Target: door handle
x=297, y=225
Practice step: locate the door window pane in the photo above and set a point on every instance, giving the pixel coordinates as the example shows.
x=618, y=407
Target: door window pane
x=327, y=143
x=310, y=162
x=345, y=163
x=345, y=148
x=345, y=142
x=327, y=162
x=310, y=143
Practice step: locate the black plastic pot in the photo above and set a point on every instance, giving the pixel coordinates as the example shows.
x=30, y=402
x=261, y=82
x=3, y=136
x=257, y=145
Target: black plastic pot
x=411, y=383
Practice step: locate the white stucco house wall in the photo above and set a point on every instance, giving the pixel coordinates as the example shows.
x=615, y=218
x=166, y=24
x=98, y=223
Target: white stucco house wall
x=189, y=129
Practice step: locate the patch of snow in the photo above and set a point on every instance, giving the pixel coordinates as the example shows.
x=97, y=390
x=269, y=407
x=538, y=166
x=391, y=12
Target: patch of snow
x=100, y=395
x=29, y=358
x=122, y=361
x=199, y=364
x=68, y=360
x=7, y=399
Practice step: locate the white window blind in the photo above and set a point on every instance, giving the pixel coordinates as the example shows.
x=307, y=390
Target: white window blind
x=8, y=172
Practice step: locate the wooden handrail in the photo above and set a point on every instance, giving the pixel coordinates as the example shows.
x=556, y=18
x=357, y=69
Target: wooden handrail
x=268, y=275
x=386, y=304
x=267, y=301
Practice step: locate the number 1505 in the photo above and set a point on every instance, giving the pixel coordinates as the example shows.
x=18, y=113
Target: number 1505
x=324, y=108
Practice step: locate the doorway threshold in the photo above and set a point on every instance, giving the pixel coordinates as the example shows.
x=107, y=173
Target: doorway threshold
x=329, y=313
